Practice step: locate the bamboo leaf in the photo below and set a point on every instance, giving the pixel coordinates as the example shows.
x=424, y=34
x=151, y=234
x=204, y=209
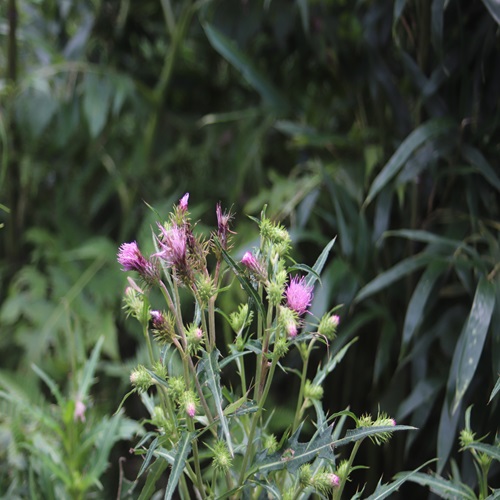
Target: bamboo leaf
x=181, y=453
x=418, y=301
x=210, y=371
x=475, y=335
x=417, y=138
x=493, y=7
x=393, y=274
x=229, y=51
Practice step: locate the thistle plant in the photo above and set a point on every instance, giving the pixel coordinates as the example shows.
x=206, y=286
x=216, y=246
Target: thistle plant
x=209, y=400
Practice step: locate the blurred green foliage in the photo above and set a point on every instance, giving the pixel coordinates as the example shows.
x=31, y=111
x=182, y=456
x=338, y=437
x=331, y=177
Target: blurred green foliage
x=374, y=121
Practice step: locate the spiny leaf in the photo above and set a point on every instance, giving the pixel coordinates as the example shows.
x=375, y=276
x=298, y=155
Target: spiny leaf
x=319, y=264
x=487, y=449
x=210, y=371
x=181, y=453
x=443, y=487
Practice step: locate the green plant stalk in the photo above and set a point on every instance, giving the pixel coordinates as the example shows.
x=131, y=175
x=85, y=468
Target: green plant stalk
x=337, y=494
x=211, y=324
x=305, y=363
x=196, y=460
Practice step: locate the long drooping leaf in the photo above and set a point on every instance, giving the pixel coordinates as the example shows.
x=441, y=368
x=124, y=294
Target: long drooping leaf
x=418, y=301
x=476, y=158
x=493, y=7
x=431, y=129
x=443, y=487
x=229, y=51
x=400, y=270
x=210, y=372
x=181, y=453
x=319, y=264
x=475, y=335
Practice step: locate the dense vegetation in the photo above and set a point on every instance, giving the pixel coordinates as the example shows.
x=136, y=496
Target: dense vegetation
x=374, y=121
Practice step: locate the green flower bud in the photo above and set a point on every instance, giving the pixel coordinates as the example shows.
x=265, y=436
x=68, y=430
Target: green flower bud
x=133, y=301
x=206, y=288
x=343, y=470
x=222, y=458
x=281, y=347
x=314, y=392
x=270, y=443
x=305, y=475
x=195, y=338
x=328, y=326
x=466, y=437
x=163, y=327
x=176, y=388
x=241, y=319
x=141, y=379
x=160, y=369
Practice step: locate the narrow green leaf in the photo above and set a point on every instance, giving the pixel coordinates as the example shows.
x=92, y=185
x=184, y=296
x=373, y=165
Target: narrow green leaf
x=154, y=474
x=487, y=449
x=109, y=436
x=384, y=490
x=90, y=367
x=319, y=264
x=430, y=129
x=245, y=283
x=475, y=335
x=210, y=371
x=393, y=274
x=181, y=453
x=229, y=51
x=149, y=456
x=443, y=487
x=50, y=384
x=304, y=14
x=495, y=390
x=493, y=7
x=476, y=158
x=418, y=301
x=437, y=15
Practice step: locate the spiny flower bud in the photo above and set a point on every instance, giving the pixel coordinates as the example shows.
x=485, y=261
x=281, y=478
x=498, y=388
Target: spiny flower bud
x=328, y=326
x=270, y=443
x=205, y=288
x=288, y=321
x=324, y=482
x=188, y=402
x=195, y=338
x=343, y=470
x=276, y=287
x=382, y=421
x=275, y=235
x=281, y=347
x=141, y=379
x=176, y=387
x=163, y=326
x=133, y=302
x=183, y=203
x=223, y=220
x=305, y=475
x=466, y=437
x=313, y=392
x=160, y=420
x=222, y=458
x=160, y=369
x=240, y=319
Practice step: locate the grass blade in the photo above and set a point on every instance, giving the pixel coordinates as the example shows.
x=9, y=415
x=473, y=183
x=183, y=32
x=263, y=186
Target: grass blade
x=181, y=453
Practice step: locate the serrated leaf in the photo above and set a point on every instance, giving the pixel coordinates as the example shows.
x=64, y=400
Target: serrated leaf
x=430, y=129
x=400, y=270
x=443, y=487
x=487, y=449
x=229, y=51
x=154, y=474
x=210, y=371
x=149, y=455
x=181, y=453
x=475, y=335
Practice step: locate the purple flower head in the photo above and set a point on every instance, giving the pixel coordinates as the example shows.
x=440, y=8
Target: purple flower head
x=131, y=259
x=173, y=246
x=298, y=295
x=252, y=263
x=191, y=409
x=158, y=320
x=183, y=202
x=223, y=220
x=334, y=480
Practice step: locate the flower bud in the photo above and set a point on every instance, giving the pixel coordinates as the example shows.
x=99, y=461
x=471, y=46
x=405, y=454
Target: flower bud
x=241, y=319
x=141, y=379
x=163, y=327
x=195, y=338
x=79, y=413
x=313, y=392
x=205, y=288
x=133, y=302
x=176, y=388
x=270, y=443
x=254, y=266
x=222, y=457
x=328, y=326
x=288, y=321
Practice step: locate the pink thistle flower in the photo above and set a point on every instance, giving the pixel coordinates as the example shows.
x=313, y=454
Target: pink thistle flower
x=191, y=409
x=334, y=480
x=131, y=259
x=250, y=261
x=298, y=295
x=173, y=246
x=79, y=413
x=183, y=202
x=223, y=220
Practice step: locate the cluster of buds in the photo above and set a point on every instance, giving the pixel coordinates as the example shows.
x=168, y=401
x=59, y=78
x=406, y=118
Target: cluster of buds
x=382, y=420
x=322, y=480
x=240, y=319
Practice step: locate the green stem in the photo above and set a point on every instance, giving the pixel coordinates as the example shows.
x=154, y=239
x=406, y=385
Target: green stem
x=338, y=493
x=305, y=359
